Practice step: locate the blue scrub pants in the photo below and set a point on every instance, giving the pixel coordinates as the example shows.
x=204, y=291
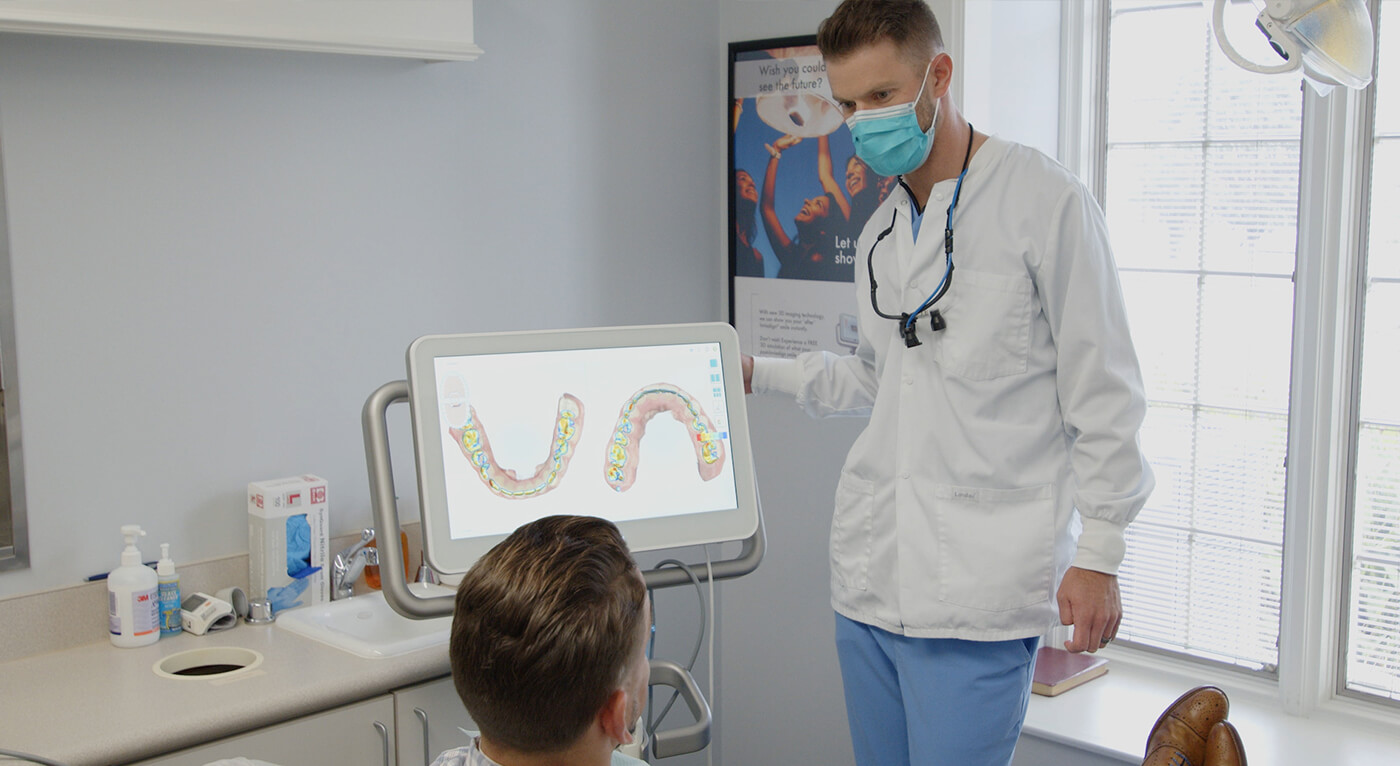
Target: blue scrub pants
x=933, y=701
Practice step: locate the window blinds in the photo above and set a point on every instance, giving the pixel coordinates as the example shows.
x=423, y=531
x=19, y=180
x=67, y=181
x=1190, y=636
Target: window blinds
x=1201, y=196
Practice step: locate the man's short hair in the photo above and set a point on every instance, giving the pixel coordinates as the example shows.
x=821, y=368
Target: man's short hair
x=546, y=625
x=909, y=24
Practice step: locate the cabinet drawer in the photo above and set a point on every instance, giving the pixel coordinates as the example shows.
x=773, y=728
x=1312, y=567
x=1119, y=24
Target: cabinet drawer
x=355, y=735
x=429, y=718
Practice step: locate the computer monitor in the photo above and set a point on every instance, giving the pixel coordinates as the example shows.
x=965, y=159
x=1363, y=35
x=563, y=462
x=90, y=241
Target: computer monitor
x=644, y=426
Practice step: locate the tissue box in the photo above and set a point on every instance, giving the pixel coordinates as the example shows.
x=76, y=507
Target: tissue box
x=289, y=541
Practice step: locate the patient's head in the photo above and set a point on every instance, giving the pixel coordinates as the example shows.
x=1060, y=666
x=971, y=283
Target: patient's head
x=549, y=637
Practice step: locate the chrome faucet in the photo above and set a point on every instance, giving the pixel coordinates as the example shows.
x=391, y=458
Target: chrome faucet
x=350, y=563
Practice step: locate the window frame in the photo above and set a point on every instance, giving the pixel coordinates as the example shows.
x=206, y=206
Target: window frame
x=1336, y=148
x=16, y=555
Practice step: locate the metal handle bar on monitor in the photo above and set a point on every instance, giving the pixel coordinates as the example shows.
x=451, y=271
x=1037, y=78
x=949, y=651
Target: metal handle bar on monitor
x=374, y=418
x=686, y=739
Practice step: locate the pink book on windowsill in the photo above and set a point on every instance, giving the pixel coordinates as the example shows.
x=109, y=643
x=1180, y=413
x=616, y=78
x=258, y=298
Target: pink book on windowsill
x=1057, y=671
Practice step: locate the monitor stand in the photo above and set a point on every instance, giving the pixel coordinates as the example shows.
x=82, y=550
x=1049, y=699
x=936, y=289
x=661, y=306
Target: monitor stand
x=374, y=418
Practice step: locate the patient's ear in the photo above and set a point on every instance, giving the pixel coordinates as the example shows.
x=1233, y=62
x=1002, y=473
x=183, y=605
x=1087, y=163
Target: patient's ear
x=613, y=718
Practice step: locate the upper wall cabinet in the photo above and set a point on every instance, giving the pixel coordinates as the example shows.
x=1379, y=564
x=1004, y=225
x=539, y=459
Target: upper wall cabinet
x=432, y=30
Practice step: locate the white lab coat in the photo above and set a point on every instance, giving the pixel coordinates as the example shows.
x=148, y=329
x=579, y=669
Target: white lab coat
x=955, y=511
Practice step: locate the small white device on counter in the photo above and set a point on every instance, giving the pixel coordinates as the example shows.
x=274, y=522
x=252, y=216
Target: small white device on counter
x=133, y=604
x=201, y=613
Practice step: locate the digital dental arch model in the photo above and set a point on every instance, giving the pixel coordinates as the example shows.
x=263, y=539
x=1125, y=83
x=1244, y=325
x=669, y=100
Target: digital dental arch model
x=622, y=449
x=620, y=467
x=470, y=436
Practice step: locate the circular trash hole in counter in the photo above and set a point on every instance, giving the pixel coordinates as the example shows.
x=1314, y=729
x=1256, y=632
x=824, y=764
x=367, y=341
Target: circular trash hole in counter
x=210, y=662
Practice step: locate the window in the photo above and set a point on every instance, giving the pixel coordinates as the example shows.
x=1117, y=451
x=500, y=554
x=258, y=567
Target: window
x=1373, y=626
x=1201, y=194
x=1211, y=178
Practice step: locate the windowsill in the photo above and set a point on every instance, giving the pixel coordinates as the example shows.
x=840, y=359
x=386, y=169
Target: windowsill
x=1112, y=715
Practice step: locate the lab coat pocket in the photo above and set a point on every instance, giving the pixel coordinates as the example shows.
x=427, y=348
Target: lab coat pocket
x=852, y=529
x=996, y=546
x=989, y=325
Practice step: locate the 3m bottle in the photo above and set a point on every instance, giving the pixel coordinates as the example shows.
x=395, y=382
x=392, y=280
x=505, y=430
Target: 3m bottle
x=133, y=604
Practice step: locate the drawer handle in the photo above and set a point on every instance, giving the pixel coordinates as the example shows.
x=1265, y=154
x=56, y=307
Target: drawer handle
x=384, y=739
x=422, y=716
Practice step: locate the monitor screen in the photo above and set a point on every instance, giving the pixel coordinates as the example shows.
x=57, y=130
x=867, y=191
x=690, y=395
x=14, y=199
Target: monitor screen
x=644, y=426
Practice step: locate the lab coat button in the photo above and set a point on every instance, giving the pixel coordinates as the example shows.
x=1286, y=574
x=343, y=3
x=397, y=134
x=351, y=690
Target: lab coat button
x=904, y=475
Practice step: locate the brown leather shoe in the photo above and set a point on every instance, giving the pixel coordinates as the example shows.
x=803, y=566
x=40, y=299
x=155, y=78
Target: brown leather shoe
x=1185, y=724
x=1223, y=746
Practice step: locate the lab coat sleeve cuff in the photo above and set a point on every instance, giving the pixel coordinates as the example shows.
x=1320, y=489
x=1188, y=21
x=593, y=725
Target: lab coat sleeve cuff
x=1101, y=546
x=776, y=376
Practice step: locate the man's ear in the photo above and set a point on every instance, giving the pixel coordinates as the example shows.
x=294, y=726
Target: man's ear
x=942, y=74
x=613, y=717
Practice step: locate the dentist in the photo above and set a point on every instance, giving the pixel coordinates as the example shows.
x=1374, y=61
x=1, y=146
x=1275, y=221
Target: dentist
x=987, y=499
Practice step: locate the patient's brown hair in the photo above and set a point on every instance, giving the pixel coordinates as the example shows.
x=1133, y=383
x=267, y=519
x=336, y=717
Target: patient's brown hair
x=909, y=24
x=545, y=625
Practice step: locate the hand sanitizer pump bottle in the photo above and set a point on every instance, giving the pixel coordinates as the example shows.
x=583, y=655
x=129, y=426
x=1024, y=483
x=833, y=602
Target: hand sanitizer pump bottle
x=133, y=604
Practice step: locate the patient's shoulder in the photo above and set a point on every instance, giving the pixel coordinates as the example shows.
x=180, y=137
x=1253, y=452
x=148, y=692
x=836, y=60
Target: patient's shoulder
x=457, y=756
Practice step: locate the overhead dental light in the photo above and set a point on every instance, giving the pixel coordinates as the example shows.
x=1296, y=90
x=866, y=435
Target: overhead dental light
x=1331, y=40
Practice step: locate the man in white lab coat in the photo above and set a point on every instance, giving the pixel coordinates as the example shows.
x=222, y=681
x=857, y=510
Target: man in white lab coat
x=987, y=498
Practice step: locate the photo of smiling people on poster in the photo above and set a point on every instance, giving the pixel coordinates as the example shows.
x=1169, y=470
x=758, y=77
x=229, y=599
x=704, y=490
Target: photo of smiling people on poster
x=798, y=201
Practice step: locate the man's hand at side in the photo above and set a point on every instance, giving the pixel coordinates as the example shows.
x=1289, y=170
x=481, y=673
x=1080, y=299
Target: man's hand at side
x=1090, y=602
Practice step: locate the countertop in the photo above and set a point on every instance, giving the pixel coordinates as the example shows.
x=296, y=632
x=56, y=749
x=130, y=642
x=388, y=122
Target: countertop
x=97, y=704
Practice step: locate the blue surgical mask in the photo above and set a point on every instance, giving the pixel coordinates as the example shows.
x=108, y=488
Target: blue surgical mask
x=889, y=139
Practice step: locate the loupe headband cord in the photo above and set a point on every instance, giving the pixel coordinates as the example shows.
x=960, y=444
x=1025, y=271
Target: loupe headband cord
x=870, y=267
x=947, y=280
x=906, y=321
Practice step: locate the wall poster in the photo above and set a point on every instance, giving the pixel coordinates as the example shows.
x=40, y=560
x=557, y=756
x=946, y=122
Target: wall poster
x=798, y=199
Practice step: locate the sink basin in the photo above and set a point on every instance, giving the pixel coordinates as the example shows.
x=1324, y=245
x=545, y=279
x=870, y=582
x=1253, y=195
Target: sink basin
x=367, y=626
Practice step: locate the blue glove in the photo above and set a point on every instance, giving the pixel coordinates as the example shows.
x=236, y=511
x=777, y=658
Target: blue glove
x=298, y=544
x=287, y=596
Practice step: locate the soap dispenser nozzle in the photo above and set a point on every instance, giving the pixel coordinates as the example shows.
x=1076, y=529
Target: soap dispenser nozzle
x=131, y=532
x=131, y=554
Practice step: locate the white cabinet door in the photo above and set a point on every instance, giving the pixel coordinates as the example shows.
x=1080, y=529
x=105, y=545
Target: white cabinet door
x=428, y=717
x=355, y=735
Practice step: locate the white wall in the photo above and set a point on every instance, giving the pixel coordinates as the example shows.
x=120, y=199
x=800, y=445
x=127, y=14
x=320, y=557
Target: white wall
x=780, y=697
x=1011, y=70
x=217, y=254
